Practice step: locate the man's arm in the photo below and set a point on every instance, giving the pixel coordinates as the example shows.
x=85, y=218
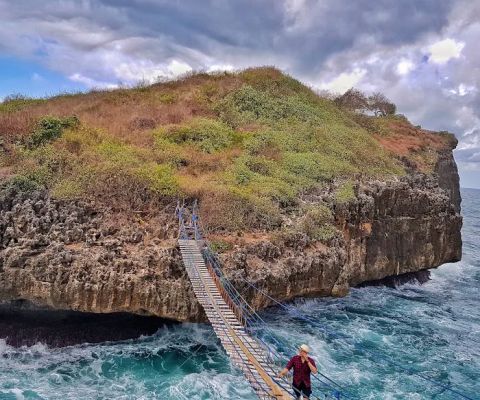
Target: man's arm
x=287, y=368
x=312, y=366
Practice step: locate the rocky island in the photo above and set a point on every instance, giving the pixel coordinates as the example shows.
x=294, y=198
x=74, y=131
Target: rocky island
x=302, y=194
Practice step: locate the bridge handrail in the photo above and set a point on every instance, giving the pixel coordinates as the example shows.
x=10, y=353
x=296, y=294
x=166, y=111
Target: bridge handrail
x=276, y=358
x=250, y=317
x=250, y=376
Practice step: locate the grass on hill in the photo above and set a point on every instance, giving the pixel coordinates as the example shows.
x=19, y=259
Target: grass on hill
x=247, y=144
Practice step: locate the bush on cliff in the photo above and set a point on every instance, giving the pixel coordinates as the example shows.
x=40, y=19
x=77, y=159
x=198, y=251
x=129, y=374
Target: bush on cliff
x=207, y=135
x=50, y=128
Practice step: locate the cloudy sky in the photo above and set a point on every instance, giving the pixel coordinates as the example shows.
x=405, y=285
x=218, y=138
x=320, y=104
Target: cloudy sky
x=423, y=54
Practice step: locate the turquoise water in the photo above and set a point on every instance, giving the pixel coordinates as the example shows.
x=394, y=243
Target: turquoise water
x=376, y=335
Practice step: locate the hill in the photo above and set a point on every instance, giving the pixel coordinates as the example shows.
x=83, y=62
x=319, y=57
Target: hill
x=249, y=145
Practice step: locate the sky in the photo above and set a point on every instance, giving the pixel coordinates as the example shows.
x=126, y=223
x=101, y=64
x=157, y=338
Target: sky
x=422, y=54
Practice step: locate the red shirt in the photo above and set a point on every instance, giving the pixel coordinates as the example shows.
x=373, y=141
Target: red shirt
x=301, y=370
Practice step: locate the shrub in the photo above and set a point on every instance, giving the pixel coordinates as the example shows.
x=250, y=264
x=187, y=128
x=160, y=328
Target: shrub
x=263, y=143
x=380, y=105
x=345, y=192
x=168, y=152
x=316, y=166
x=249, y=104
x=242, y=174
x=22, y=183
x=43, y=164
x=16, y=102
x=353, y=100
x=49, y=129
x=237, y=209
x=119, y=154
x=369, y=123
x=160, y=178
x=167, y=98
x=67, y=189
x=317, y=223
x=220, y=246
x=207, y=134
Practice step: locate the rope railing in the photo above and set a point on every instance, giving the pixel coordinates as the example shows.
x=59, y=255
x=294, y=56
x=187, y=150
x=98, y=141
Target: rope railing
x=382, y=356
x=254, y=382
x=248, y=317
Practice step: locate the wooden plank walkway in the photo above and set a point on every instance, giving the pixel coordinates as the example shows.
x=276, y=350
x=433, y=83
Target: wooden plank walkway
x=244, y=351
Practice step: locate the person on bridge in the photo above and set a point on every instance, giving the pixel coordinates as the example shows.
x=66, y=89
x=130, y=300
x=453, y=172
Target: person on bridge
x=302, y=366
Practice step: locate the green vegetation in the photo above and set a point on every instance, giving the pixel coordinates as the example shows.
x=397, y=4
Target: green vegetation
x=317, y=223
x=247, y=144
x=167, y=98
x=220, y=246
x=160, y=178
x=17, y=102
x=208, y=135
x=345, y=193
x=50, y=128
x=22, y=184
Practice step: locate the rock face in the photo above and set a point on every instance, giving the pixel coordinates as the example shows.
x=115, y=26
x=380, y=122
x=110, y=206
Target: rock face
x=69, y=256
x=74, y=256
x=390, y=229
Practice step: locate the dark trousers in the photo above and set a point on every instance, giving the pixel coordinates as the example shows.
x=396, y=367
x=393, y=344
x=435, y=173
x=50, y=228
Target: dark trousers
x=300, y=389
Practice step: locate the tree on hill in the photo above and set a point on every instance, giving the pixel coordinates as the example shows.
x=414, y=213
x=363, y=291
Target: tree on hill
x=353, y=100
x=380, y=105
x=356, y=101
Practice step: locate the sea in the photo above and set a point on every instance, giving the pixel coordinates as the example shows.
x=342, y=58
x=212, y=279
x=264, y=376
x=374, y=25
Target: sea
x=409, y=342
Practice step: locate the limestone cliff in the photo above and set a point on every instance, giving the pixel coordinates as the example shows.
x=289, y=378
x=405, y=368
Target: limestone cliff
x=304, y=194
x=76, y=255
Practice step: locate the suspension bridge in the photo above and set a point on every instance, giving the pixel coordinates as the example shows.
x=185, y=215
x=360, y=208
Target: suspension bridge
x=237, y=325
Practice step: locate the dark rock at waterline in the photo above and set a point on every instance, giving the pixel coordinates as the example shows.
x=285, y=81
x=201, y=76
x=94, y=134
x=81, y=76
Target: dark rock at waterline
x=22, y=324
x=419, y=277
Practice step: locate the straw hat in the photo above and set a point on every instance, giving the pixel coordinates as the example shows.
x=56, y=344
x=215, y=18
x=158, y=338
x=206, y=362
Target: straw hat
x=305, y=348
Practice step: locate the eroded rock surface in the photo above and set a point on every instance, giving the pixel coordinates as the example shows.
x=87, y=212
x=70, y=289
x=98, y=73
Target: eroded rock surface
x=67, y=255
x=74, y=256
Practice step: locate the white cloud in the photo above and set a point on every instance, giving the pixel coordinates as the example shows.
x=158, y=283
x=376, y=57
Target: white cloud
x=147, y=71
x=469, y=142
x=91, y=83
x=36, y=77
x=445, y=50
x=463, y=90
x=404, y=67
x=220, y=67
x=344, y=81
x=177, y=68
